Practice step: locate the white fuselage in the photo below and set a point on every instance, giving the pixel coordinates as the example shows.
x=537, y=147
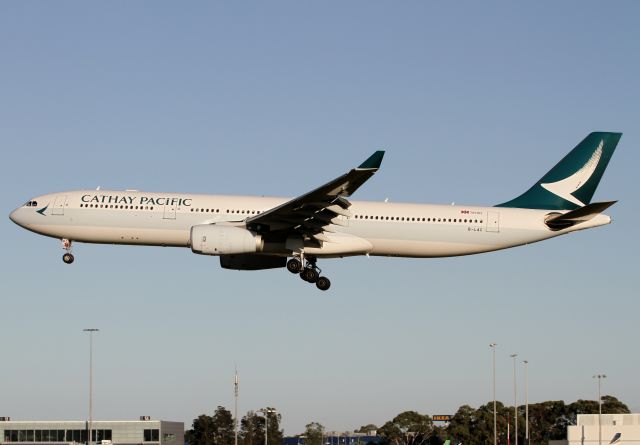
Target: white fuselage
x=374, y=228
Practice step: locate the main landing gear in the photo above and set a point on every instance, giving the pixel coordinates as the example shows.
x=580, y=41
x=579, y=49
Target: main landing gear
x=309, y=272
x=67, y=257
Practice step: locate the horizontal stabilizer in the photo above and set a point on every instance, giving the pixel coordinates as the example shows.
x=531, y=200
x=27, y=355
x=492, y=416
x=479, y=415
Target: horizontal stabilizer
x=558, y=221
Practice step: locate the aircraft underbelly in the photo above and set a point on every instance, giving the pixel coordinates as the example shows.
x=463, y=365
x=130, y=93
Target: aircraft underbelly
x=117, y=235
x=444, y=243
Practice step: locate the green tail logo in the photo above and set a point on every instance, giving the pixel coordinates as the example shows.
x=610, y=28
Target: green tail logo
x=573, y=181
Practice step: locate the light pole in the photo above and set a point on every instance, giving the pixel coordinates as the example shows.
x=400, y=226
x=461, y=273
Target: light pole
x=495, y=423
x=526, y=402
x=599, y=377
x=266, y=412
x=235, y=419
x=515, y=399
x=90, y=331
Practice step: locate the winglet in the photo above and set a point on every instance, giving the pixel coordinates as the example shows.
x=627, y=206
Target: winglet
x=373, y=161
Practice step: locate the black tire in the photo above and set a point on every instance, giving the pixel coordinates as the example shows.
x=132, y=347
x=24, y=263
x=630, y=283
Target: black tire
x=68, y=258
x=309, y=275
x=323, y=283
x=294, y=265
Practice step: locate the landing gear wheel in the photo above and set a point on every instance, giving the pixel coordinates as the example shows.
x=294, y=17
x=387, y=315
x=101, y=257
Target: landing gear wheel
x=68, y=258
x=323, y=283
x=294, y=265
x=309, y=275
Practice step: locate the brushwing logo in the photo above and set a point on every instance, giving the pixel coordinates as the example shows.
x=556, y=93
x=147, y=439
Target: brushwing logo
x=42, y=210
x=566, y=187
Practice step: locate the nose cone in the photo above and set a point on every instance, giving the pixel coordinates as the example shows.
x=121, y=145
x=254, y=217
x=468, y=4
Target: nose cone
x=15, y=217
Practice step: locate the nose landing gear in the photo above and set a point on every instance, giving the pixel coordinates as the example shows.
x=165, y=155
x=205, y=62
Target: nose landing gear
x=309, y=272
x=67, y=257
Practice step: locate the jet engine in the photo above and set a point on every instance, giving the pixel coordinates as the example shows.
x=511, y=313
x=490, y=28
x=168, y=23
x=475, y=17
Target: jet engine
x=212, y=239
x=252, y=262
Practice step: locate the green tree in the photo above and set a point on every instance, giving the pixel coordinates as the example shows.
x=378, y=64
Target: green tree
x=313, y=433
x=462, y=424
x=224, y=427
x=212, y=430
x=438, y=435
x=407, y=428
x=199, y=432
x=365, y=429
x=611, y=405
x=475, y=426
x=252, y=427
x=548, y=421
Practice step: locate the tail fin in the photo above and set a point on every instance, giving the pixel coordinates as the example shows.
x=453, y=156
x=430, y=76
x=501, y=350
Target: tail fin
x=572, y=182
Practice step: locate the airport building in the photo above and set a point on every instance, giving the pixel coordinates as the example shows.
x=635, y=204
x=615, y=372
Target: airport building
x=338, y=438
x=115, y=432
x=616, y=429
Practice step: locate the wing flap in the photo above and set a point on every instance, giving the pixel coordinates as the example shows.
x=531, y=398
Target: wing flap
x=315, y=211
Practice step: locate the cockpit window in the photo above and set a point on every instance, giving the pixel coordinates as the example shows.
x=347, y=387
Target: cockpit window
x=31, y=204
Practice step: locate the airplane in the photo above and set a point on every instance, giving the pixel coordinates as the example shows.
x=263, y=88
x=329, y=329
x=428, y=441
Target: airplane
x=255, y=232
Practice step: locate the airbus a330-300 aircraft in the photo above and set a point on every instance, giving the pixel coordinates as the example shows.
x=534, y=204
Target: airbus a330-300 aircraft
x=252, y=233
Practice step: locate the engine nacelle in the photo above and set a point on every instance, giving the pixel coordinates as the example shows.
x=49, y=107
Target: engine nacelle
x=212, y=239
x=252, y=262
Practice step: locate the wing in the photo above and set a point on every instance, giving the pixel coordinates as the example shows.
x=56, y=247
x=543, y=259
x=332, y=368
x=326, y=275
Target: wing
x=312, y=214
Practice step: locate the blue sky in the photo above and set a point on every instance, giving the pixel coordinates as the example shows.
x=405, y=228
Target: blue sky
x=472, y=101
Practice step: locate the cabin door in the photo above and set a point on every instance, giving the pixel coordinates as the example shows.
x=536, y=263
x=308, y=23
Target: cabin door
x=170, y=211
x=493, y=222
x=59, y=205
